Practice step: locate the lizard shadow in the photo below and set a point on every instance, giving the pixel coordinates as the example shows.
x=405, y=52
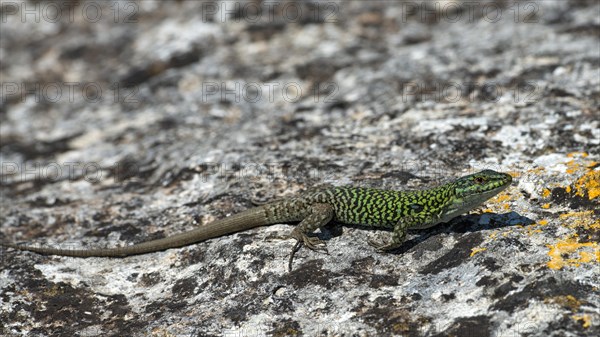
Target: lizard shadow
x=462, y=224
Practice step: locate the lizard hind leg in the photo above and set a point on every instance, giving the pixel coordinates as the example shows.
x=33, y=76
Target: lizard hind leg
x=318, y=216
x=398, y=236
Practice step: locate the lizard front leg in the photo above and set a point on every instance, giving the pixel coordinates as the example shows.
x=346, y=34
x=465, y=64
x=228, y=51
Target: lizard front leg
x=319, y=216
x=398, y=236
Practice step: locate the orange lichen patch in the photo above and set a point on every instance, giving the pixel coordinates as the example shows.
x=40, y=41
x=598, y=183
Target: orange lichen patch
x=587, y=257
x=546, y=206
x=502, y=197
x=517, y=174
x=575, y=214
x=569, y=247
x=590, y=183
x=583, y=220
x=476, y=250
x=546, y=193
x=531, y=231
x=573, y=166
x=585, y=320
x=568, y=301
x=577, y=154
x=568, y=189
x=488, y=210
x=542, y=222
x=531, y=170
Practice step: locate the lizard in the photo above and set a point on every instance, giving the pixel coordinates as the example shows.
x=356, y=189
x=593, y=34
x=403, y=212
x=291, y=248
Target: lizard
x=398, y=211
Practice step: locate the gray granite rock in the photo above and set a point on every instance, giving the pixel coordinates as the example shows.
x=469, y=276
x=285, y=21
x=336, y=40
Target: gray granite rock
x=128, y=121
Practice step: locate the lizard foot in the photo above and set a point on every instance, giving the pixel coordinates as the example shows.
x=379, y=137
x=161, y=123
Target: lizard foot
x=313, y=243
x=316, y=244
x=384, y=246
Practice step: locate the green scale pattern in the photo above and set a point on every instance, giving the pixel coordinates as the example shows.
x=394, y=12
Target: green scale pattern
x=382, y=208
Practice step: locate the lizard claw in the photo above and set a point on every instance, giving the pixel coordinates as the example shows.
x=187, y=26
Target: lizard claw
x=294, y=250
x=383, y=246
x=377, y=244
x=313, y=243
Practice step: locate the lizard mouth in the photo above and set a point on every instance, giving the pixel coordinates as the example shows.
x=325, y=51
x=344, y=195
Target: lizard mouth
x=472, y=201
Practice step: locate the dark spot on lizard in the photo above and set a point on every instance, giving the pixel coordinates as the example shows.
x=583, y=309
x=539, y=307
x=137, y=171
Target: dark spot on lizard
x=417, y=207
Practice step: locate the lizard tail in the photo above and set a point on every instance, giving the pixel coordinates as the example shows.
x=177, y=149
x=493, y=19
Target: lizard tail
x=238, y=222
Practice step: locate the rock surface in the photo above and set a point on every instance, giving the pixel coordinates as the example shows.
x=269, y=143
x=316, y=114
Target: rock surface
x=127, y=121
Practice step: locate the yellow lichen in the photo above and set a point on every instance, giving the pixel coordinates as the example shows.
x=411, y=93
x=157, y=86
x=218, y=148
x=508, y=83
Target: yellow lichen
x=546, y=206
x=586, y=257
x=585, y=319
x=568, y=301
x=575, y=214
x=581, y=220
x=546, y=193
x=542, y=222
x=572, y=166
x=590, y=183
x=517, y=174
x=477, y=250
x=577, y=154
x=502, y=197
x=530, y=231
x=567, y=247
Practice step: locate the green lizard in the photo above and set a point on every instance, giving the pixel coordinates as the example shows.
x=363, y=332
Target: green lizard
x=395, y=210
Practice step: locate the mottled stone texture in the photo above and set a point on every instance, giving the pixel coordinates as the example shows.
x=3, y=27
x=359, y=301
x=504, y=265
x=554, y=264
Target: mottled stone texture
x=128, y=121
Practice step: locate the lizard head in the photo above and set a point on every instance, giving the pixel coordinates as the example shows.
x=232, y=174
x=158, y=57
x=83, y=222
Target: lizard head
x=474, y=189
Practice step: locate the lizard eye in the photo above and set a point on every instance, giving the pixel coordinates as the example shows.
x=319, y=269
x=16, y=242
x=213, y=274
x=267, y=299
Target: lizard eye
x=479, y=180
